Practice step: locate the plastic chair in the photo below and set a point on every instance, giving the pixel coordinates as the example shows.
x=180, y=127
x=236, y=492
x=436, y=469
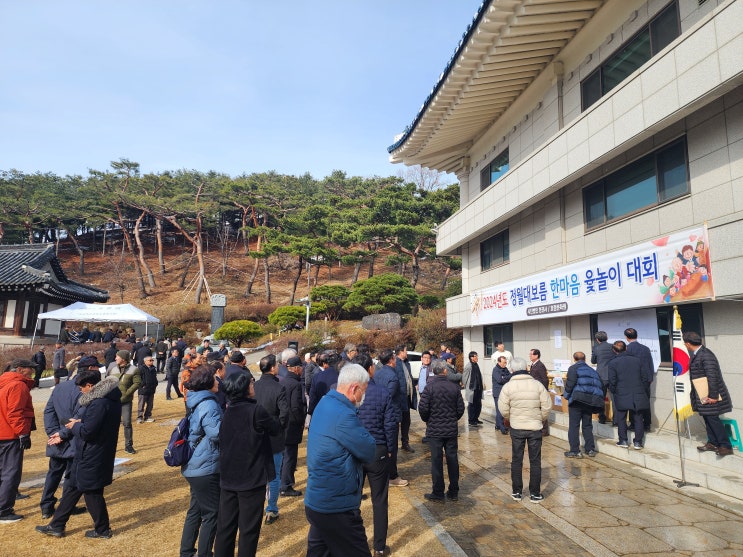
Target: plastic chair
x=731, y=427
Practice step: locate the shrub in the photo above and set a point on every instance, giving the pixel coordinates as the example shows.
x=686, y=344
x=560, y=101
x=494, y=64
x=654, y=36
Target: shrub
x=429, y=301
x=428, y=329
x=173, y=332
x=382, y=294
x=287, y=315
x=238, y=331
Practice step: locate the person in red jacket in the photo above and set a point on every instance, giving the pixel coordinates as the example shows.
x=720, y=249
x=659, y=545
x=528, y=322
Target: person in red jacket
x=16, y=418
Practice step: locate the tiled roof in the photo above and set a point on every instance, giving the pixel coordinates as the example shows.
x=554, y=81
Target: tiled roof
x=24, y=267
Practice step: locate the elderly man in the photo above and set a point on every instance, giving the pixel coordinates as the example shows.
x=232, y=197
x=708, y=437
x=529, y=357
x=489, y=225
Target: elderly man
x=628, y=381
x=526, y=404
x=337, y=446
x=441, y=406
x=295, y=427
x=286, y=354
x=16, y=418
x=709, y=394
x=585, y=395
x=97, y=433
x=386, y=377
x=601, y=355
x=58, y=362
x=405, y=378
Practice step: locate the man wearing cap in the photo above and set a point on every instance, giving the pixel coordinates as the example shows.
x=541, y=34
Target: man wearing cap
x=295, y=427
x=146, y=392
x=16, y=418
x=237, y=364
x=129, y=382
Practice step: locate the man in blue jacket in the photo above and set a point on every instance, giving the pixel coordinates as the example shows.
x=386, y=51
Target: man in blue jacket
x=337, y=446
x=585, y=395
x=386, y=376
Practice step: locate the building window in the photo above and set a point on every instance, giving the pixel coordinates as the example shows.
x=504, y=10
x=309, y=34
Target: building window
x=691, y=320
x=494, y=251
x=497, y=168
x=493, y=334
x=651, y=180
x=650, y=40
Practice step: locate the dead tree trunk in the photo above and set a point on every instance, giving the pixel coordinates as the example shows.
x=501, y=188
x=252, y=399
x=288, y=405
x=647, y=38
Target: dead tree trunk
x=140, y=251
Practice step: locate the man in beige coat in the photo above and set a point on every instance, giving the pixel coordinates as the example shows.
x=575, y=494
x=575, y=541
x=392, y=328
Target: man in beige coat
x=526, y=404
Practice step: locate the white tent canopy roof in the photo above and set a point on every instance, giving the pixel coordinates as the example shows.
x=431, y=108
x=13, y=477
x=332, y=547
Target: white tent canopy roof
x=100, y=313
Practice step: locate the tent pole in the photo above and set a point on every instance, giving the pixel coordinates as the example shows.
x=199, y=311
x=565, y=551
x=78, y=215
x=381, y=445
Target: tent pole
x=33, y=337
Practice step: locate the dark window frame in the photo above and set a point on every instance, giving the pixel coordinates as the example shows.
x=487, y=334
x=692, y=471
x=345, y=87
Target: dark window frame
x=595, y=195
x=589, y=96
x=486, y=174
x=504, y=256
x=491, y=334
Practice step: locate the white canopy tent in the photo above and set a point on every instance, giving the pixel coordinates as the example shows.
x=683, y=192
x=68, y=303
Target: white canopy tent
x=97, y=313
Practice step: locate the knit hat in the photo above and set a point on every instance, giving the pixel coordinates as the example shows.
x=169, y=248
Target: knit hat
x=124, y=355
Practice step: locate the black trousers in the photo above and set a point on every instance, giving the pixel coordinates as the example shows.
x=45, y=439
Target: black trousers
x=392, y=461
x=239, y=510
x=376, y=472
x=160, y=365
x=441, y=446
x=94, y=501
x=580, y=417
x=405, y=429
x=716, y=433
x=475, y=407
x=288, y=466
x=58, y=468
x=201, y=518
x=11, y=467
x=637, y=419
x=336, y=534
x=172, y=382
x=520, y=438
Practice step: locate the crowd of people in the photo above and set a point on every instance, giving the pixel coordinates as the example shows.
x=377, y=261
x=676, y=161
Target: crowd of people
x=245, y=434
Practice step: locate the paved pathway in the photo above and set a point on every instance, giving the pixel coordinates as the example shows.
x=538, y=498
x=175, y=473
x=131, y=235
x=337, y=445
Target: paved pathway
x=593, y=506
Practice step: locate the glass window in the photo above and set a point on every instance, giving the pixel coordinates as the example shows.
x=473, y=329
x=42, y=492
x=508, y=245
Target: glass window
x=494, y=251
x=650, y=40
x=653, y=179
x=494, y=170
x=493, y=334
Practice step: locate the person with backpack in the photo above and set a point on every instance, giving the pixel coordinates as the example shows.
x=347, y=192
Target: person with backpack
x=202, y=469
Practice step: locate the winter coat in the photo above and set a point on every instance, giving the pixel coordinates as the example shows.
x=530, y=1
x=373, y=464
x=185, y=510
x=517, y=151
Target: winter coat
x=172, y=367
x=58, y=358
x=524, y=402
x=203, y=434
x=501, y=376
x=16, y=408
x=62, y=405
x=309, y=371
x=628, y=382
x=322, y=381
x=584, y=386
x=129, y=382
x=468, y=377
x=271, y=394
x=380, y=416
x=539, y=372
x=297, y=409
x=386, y=377
x=109, y=356
x=245, y=460
x=704, y=364
x=40, y=360
x=601, y=355
x=440, y=407
x=149, y=380
x=337, y=446
x=97, y=435
x=642, y=352
x=405, y=378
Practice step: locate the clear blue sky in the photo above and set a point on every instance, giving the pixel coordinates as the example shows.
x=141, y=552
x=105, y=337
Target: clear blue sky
x=233, y=86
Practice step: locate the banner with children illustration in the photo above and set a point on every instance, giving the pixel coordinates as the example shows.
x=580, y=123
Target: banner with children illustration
x=668, y=270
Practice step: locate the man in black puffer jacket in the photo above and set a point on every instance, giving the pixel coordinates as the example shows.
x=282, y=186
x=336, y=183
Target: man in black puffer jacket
x=441, y=406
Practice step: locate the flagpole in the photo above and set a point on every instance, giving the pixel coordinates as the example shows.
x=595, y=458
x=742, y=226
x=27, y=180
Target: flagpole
x=682, y=482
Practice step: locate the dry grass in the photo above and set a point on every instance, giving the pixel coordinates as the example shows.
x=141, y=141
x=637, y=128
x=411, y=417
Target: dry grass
x=148, y=503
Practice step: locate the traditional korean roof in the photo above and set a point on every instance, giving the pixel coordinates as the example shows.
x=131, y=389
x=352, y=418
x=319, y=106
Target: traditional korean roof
x=35, y=268
x=507, y=45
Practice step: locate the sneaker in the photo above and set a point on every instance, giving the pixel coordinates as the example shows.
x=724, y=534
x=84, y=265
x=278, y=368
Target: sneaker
x=46, y=515
x=474, y=424
x=434, y=498
x=130, y=450
x=622, y=444
x=19, y=496
x=149, y=420
x=105, y=535
x=9, y=518
x=571, y=454
x=140, y=420
x=516, y=496
x=592, y=454
x=49, y=531
x=271, y=517
x=480, y=422
x=536, y=497
x=399, y=482
x=637, y=446
x=290, y=493
x=452, y=496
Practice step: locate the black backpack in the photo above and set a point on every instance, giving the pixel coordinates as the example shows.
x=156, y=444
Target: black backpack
x=179, y=450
